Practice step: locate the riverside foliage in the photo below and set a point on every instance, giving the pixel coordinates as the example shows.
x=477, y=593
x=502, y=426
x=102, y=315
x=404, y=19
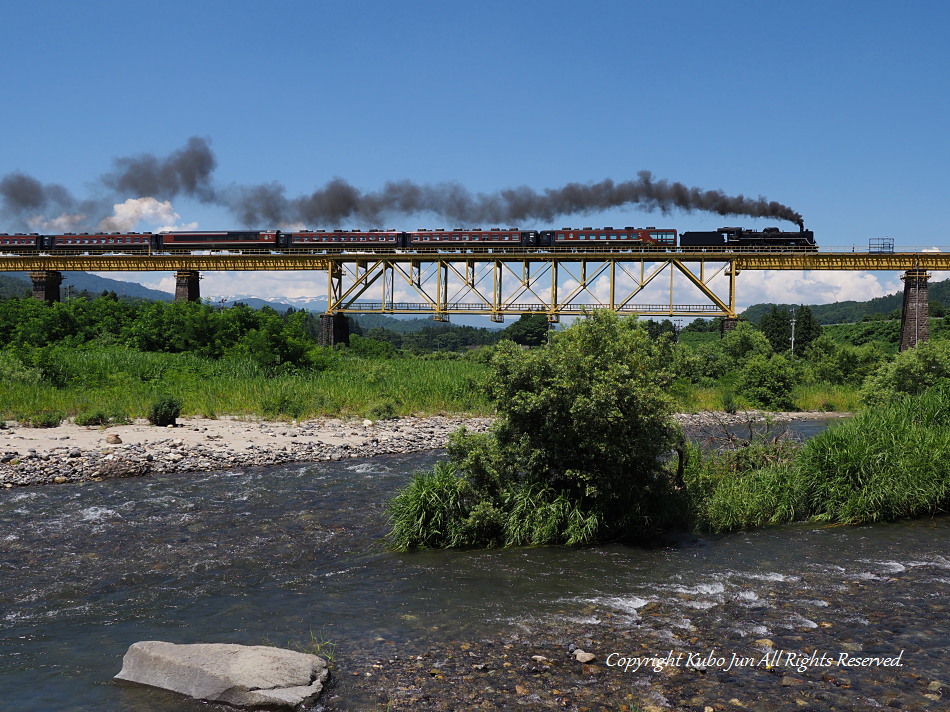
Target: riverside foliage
x=577, y=452
x=886, y=463
x=106, y=361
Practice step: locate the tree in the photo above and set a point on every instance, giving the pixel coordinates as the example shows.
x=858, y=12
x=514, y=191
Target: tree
x=768, y=381
x=777, y=327
x=912, y=372
x=744, y=342
x=576, y=453
x=529, y=330
x=807, y=329
x=776, y=324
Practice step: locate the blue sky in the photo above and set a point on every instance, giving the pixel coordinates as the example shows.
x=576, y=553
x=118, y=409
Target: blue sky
x=836, y=109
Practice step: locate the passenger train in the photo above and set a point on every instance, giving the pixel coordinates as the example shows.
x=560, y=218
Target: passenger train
x=585, y=239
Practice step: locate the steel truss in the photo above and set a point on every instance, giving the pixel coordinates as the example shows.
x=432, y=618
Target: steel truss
x=555, y=285
x=508, y=281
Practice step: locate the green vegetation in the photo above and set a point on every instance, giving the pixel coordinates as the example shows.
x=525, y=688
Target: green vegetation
x=164, y=411
x=583, y=448
x=888, y=462
x=576, y=453
x=123, y=383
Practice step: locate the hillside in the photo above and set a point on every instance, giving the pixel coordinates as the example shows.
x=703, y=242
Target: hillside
x=852, y=311
x=17, y=284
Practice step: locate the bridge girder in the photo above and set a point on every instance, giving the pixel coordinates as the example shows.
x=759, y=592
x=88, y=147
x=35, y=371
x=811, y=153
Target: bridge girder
x=510, y=281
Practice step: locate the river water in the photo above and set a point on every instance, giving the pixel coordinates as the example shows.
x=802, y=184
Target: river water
x=276, y=555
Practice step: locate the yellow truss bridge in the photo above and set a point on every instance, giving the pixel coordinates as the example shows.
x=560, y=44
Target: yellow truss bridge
x=496, y=281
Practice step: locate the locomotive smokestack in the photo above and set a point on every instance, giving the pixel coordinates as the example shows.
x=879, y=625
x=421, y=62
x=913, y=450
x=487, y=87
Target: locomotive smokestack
x=801, y=225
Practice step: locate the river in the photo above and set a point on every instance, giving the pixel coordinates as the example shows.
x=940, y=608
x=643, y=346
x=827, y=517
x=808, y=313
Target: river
x=277, y=555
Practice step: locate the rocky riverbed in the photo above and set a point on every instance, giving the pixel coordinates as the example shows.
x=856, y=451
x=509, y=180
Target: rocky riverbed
x=656, y=660
x=71, y=453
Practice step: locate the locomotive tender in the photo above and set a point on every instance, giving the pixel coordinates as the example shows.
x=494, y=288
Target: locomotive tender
x=586, y=239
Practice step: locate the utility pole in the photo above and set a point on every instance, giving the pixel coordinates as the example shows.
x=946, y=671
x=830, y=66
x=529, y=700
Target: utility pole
x=793, y=332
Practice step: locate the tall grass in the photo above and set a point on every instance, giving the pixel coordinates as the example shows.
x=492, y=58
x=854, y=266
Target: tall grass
x=884, y=464
x=126, y=382
x=823, y=397
x=888, y=462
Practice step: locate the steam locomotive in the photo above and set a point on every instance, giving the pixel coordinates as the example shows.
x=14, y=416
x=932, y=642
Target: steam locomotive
x=586, y=239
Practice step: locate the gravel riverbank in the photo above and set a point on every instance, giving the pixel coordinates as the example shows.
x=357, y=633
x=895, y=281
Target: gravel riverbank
x=72, y=453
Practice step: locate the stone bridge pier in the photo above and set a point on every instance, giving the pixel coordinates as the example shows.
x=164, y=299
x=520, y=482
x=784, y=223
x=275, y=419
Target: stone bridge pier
x=334, y=329
x=46, y=285
x=914, y=325
x=187, y=288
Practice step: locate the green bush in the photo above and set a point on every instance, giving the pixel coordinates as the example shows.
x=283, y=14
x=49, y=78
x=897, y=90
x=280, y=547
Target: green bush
x=96, y=417
x=164, y=411
x=42, y=420
x=911, y=372
x=382, y=411
x=768, y=382
x=577, y=452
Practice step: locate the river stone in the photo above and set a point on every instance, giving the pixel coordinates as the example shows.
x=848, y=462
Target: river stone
x=239, y=675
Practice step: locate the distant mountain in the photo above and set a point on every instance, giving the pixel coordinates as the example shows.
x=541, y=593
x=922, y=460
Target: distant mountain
x=18, y=284
x=851, y=311
x=318, y=305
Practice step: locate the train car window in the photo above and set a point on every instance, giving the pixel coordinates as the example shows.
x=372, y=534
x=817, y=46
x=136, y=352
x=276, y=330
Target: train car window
x=613, y=236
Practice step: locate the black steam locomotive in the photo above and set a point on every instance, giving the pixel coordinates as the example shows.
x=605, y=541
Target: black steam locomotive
x=726, y=237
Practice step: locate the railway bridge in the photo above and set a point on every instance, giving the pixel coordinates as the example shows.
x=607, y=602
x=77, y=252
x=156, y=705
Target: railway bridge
x=500, y=282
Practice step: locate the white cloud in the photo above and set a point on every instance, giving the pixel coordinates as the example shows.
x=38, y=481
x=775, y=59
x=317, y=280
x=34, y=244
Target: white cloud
x=266, y=285
x=67, y=222
x=813, y=287
x=133, y=211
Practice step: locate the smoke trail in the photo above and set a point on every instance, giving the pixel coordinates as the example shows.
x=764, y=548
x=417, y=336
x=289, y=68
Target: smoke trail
x=185, y=172
x=189, y=171
x=28, y=203
x=339, y=201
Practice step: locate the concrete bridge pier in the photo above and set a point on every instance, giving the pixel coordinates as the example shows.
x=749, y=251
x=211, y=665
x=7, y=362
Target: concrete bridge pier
x=728, y=324
x=334, y=329
x=186, y=286
x=914, y=324
x=46, y=285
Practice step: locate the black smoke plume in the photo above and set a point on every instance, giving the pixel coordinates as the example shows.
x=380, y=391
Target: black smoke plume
x=189, y=171
x=185, y=172
x=339, y=202
x=30, y=204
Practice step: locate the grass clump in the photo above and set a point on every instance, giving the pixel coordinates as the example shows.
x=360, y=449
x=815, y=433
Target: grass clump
x=888, y=462
x=44, y=419
x=95, y=417
x=884, y=464
x=164, y=411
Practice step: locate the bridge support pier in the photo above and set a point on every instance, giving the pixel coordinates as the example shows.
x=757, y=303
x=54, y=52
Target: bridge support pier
x=728, y=324
x=334, y=329
x=46, y=285
x=914, y=325
x=186, y=286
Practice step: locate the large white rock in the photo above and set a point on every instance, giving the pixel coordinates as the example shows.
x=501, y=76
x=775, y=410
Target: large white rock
x=240, y=675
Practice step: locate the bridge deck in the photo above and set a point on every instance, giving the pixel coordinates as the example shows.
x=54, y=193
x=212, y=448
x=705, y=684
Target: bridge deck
x=741, y=259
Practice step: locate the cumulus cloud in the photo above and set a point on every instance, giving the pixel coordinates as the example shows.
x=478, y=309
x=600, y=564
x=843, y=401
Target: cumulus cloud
x=126, y=216
x=814, y=287
x=66, y=222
